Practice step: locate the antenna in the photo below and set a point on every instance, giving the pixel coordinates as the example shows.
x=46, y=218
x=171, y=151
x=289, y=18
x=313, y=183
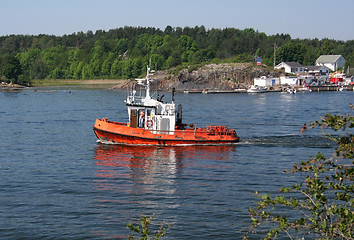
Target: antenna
x=173, y=94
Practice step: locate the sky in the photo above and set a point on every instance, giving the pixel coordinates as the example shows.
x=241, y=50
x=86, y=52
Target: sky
x=299, y=18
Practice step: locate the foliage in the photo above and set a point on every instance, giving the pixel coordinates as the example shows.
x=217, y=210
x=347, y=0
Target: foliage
x=11, y=68
x=145, y=230
x=320, y=207
x=292, y=52
x=125, y=52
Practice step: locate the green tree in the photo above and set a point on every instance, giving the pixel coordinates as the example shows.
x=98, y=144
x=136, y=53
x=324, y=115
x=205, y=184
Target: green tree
x=127, y=69
x=292, y=52
x=78, y=71
x=320, y=207
x=122, y=46
x=170, y=62
x=137, y=67
x=107, y=64
x=327, y=47
x=27, y=59
x=11, y=68
x=39, y=69
x=117, y=68
x=157, y=61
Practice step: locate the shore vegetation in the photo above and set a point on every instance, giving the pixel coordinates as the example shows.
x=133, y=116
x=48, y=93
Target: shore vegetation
x=321, y=206
x=123, y=53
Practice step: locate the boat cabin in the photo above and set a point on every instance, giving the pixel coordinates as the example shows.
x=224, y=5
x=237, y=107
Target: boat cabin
x=160, y=117
x=149, y=113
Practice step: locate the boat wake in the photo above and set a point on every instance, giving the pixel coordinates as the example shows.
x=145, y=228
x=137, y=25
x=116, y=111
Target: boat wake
x=288, y=141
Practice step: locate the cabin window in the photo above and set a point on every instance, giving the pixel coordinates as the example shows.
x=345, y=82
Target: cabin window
x=148, y=112
x=135, y=113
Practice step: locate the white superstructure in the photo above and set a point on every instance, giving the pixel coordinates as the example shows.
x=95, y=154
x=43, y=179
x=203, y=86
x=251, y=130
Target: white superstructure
x=159, y=116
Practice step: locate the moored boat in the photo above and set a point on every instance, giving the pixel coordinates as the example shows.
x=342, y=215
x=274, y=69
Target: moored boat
x=304, y=89
x=153, y=122
x=342, y=88
x=256, y=89
x=291, y=90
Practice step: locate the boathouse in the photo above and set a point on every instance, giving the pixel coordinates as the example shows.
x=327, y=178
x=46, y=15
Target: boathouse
x=291, y=81
x=266, y=82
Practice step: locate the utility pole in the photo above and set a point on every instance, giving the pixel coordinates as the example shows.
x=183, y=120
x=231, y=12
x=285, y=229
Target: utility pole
x=275, y=46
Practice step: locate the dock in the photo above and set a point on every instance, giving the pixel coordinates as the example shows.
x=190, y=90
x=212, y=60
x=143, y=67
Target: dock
x=212, y=91
x=313, y=88
x=330, y=88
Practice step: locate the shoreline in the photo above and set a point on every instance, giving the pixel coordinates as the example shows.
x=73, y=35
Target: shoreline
x=122, y=83
x=71, y=82
x=92, y=83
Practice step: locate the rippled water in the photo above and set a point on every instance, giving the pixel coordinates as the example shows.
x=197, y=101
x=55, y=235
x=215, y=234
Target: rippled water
x=57, y=182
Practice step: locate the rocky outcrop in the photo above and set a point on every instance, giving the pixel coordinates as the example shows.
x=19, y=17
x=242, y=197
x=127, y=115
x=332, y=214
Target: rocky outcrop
x=212, y=76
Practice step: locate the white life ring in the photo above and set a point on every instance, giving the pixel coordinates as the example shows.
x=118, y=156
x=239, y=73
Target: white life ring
x=149, y=123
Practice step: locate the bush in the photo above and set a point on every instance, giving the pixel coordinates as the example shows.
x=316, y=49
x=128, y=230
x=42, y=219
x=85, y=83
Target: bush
x=321, y=206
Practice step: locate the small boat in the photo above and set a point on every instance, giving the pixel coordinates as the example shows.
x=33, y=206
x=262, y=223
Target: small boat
x=256, y=89
x=342, y=88
x=304, y=89
x=153, y=122
x=291, y=90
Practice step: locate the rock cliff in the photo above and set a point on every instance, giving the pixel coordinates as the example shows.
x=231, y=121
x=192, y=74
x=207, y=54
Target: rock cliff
x=212, y=76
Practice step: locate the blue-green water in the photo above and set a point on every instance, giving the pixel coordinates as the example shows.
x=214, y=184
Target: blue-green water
x=57, y=182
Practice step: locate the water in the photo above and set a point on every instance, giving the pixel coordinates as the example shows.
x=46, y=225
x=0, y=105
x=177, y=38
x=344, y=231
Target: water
x=57, y=182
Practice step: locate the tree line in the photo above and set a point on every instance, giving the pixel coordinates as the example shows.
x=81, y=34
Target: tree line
x=125, y=52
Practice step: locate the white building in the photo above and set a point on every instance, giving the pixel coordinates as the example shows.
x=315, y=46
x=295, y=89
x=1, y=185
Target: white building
x=333, y=62
x=291, y=81
x=266, y=82
x=290, y=67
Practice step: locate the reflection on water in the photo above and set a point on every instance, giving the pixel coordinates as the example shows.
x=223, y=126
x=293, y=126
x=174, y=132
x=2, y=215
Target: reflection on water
x=152, y=164
x=133, y=180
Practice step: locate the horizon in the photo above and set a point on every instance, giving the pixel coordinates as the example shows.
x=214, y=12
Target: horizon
x=303, y=19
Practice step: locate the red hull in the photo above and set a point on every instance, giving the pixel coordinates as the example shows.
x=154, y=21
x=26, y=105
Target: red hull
x=108, y=131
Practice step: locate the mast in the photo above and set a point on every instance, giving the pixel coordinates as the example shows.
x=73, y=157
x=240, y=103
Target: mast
x=147, y=83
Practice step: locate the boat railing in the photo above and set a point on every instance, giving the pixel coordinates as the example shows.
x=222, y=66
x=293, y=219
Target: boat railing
x=112, y=122
x=135, y=99
x=210, y=130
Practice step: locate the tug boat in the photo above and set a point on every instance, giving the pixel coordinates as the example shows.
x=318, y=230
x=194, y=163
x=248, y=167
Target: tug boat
x=153, y=122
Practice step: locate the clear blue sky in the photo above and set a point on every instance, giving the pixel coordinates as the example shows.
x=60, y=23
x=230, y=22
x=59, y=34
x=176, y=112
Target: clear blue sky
x=299, y=18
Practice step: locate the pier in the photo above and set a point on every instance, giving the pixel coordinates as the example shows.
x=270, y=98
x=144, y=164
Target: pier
x=277, y=89
x=330, y=88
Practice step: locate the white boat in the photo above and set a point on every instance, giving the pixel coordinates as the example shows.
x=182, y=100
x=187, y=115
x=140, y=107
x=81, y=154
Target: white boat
x=304, y=89
x=256, y=89
x=291, y=90
x=342, y=88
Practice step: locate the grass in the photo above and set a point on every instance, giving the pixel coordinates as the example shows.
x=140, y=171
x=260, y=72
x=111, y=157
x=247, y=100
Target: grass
x=70, y=82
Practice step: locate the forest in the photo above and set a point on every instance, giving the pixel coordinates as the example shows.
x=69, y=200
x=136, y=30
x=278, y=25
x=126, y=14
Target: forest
x=124, y=52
